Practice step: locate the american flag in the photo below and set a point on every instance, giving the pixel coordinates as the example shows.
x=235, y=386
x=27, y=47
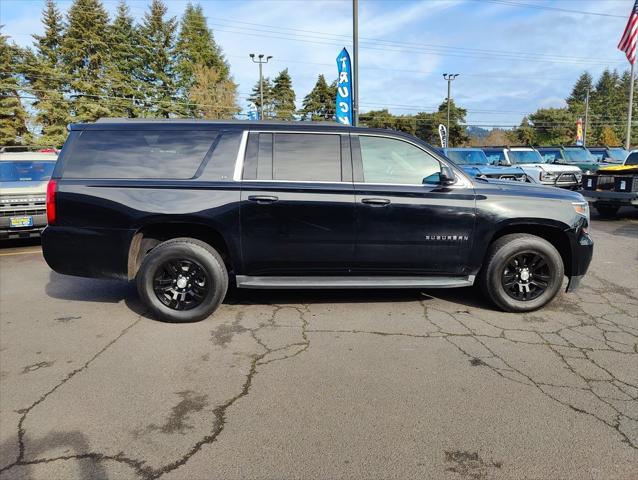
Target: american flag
x=627, y=43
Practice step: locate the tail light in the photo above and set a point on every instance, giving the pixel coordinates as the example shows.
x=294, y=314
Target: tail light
x=52, y=188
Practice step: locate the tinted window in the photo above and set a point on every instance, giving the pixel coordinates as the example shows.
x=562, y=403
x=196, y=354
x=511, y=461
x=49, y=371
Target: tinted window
x=138, y=154
x=632, y=159
x=306, y=157
x=494, y=156
x=22, y=171
x=386, y=160
x=575, y=155
x=551, y=155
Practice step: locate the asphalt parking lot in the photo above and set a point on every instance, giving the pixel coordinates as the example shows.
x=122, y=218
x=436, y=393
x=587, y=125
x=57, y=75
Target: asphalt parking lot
x=282, y=385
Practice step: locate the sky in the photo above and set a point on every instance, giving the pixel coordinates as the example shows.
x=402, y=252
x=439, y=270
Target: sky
x=513, y=56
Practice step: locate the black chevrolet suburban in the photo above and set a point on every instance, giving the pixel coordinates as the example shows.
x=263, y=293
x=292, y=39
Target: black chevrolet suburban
x=184, y=207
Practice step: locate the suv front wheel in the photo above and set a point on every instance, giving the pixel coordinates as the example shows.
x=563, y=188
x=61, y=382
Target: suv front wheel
x=522, y=272
x=182, y=280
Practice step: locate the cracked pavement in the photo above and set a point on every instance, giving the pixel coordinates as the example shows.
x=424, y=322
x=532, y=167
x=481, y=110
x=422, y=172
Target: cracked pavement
x=430, y=384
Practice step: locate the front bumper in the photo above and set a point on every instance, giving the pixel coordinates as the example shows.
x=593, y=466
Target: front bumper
x=582, y=253
x=611, y=197
x=8, y=232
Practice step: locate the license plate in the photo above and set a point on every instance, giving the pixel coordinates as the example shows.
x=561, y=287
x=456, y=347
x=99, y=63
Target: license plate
x=16, y=222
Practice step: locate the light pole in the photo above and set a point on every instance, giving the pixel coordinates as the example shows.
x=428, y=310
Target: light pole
x=449, y=77
x=260, y=60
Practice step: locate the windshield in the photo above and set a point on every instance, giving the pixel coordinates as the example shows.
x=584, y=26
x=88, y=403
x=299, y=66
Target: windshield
x=467, y=157
x=632, y=159
x=598, y=154
x=525, y=156
x=574, y=155
x=617, y=155
x=25, y=171
x=494, y=156
x=551, y=156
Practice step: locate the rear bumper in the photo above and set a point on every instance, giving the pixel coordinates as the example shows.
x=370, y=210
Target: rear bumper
x=86, y=252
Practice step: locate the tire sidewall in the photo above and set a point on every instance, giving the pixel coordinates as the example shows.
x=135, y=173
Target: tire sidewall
x=497, y=265
x=215, y=270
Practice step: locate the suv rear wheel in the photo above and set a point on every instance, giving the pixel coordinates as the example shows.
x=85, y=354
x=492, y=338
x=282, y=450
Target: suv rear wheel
x=182, y=280
x=522, y=272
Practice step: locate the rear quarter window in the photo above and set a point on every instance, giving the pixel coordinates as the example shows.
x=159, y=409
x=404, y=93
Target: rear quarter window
x=156, y=154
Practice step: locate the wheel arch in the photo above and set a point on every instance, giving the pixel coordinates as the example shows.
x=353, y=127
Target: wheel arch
x=555, y=234
x=150, y=235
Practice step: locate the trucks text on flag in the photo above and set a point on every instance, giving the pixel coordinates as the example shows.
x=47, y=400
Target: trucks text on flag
x=344, y=89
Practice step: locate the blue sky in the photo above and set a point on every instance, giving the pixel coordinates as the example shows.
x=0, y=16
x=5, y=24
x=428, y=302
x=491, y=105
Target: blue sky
x=513, y=56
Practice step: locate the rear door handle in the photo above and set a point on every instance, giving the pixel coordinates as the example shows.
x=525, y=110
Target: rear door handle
x=376, y=202
x=263, y=198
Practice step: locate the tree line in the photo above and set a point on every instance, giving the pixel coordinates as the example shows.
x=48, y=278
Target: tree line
x=86, y=65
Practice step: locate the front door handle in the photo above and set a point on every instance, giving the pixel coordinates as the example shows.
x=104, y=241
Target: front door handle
x=376, y=202
x=263, y=198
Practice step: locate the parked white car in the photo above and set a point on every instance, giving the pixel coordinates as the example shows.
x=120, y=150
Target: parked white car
x=536, y=167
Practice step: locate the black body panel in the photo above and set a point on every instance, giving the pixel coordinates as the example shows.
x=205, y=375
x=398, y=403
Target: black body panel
x=279, y=227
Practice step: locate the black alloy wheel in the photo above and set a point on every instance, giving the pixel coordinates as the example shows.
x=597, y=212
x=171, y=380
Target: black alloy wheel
x=526, y=276
x=181, y=284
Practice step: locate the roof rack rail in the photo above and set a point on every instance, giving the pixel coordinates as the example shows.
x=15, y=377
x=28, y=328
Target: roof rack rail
x=27, y=148
x=232, y=122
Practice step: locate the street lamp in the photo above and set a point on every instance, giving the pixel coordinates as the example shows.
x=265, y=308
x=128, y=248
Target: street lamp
x=260, y=60
x=449, y=77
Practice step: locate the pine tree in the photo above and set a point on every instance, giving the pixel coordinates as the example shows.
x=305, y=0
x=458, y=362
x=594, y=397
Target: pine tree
x=85, y=55
x=576, y=99
x=212, y=96
x=158, y=57
x=196, y=48
x=13, y=116
x=283, y=96
x=124, y=65
x=255, y=97
x=43, y=69
x=319, y=104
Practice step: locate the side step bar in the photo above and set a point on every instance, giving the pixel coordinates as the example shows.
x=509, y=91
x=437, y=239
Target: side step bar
x=244, y=281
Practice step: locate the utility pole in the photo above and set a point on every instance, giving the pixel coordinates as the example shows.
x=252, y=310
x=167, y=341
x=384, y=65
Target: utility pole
x=449, y=77
x=355, y=51
x=631, y=104
x=260, y=61
x=586, y=115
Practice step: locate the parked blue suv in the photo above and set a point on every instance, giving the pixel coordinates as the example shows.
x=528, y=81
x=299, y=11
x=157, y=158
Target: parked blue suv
x=475, y=163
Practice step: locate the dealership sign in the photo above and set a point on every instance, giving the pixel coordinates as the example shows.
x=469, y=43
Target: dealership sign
x=344, y=89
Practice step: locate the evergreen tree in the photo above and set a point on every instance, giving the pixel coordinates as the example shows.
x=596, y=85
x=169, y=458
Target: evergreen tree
x=255, y=97
x=158, y=57
x=124, y=66
x=283, y=96
x=525, y=133
x=576, y=99
x=554, y=126
x=43, y=69
x=212, y=96
x=319, y=104
x=85, y=56
x=196, y=47
x=13, y=116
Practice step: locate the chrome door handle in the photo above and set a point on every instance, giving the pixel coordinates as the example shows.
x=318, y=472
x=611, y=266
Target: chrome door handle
x=376, y=202
x=263, y=198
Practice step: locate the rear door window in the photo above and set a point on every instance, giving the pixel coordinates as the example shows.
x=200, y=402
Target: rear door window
x=303, y=157
x=167, y=154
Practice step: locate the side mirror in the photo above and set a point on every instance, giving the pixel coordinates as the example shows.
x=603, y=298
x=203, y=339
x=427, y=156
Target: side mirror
x=446, y=177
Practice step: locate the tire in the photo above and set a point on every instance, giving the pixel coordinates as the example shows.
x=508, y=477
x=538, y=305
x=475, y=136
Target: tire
x=187, y=256
x=607, y=211
x=497, y=272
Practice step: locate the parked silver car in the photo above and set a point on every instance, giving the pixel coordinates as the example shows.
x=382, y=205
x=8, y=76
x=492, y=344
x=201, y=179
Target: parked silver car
x=23, y=183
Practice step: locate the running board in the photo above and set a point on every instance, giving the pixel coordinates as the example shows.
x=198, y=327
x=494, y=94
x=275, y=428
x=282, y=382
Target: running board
x=245, y=281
